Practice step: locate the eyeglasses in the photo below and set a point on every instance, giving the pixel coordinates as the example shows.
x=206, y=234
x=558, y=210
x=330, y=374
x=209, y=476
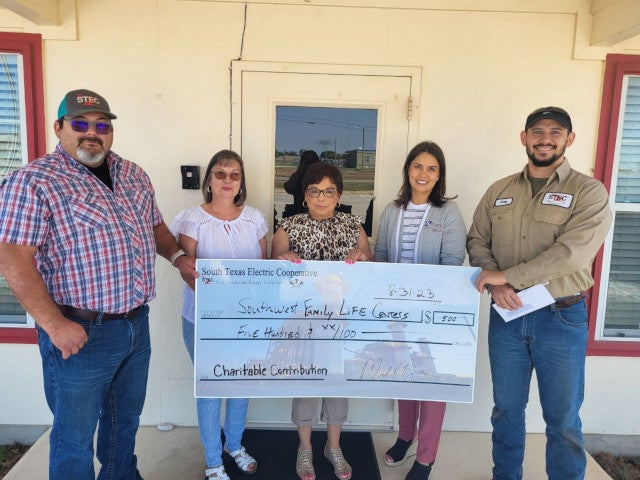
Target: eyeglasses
x=102, y=128
x=220, y=175
x=327, y=192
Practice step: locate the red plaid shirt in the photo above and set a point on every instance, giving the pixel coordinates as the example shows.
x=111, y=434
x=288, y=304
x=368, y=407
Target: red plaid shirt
x=96, y=248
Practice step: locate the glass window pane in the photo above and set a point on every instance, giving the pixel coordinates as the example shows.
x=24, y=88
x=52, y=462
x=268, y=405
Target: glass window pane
x=628, y=175
x=622, y=317
x=345, y=137
x=12, y=156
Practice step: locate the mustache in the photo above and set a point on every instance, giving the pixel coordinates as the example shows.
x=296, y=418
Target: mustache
x=90, y=139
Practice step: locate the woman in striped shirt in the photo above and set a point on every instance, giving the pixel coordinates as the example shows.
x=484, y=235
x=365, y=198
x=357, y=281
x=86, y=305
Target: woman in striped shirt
x=421, y=226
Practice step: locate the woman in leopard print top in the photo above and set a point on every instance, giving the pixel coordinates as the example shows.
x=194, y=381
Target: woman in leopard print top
x=321, y=234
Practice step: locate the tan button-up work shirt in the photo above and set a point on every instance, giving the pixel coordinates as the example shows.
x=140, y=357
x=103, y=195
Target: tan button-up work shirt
x=552, y=237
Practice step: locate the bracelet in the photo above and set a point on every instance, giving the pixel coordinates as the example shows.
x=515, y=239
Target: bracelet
x=176, y=255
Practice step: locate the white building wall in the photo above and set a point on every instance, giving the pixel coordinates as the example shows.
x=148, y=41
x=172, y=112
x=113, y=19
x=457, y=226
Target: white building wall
x=164, y=67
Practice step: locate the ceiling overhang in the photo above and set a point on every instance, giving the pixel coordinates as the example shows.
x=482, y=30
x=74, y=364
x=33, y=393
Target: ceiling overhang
x=608, y=22
x=614, y=21
x=40, y=12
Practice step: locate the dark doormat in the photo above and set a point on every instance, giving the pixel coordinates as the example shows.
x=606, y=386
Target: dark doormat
x=275, y=452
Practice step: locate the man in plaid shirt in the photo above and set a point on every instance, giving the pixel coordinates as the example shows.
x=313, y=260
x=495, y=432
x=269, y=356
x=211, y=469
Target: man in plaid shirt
x=90, y=221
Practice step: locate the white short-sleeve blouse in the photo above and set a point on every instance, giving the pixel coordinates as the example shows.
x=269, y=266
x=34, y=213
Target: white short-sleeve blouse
x=238, y=239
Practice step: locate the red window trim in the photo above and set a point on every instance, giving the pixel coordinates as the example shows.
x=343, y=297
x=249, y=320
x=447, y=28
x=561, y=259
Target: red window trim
x=30, y=47
x=18, y=335
x=616, y=67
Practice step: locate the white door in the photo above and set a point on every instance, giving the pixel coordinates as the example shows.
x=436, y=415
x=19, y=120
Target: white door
x=257, y=89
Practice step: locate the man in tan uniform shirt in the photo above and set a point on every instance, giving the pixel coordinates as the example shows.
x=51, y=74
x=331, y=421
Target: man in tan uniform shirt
x=543, y=225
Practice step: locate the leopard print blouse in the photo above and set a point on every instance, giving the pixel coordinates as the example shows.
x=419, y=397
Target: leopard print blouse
x=328, y=239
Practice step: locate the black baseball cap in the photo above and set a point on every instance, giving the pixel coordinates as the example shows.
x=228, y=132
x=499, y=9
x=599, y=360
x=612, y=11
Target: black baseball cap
x=554, y=113
x=77, y=102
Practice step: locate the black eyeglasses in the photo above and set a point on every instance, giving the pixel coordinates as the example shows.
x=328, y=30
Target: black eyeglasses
x=220, y=175
x=327, y=192
x=102, y=128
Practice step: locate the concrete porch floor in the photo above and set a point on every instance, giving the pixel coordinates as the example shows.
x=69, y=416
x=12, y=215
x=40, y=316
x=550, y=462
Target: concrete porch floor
x=177, y=455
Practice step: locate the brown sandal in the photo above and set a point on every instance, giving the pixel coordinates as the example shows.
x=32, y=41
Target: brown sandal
x=304, y=465
x=341, y=467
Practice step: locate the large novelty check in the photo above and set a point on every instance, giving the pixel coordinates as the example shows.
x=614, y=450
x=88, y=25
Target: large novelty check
x=267, y=328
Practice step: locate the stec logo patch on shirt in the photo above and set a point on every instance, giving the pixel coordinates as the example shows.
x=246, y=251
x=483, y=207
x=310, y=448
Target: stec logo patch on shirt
x=558, y=199
x=501, y=202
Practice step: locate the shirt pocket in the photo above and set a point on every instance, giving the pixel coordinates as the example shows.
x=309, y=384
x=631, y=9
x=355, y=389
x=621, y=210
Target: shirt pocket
x=550, y=222
x=87, y=211
x=502, y=226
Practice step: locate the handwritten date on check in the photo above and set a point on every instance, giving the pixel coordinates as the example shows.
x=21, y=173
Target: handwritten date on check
x=267, y=328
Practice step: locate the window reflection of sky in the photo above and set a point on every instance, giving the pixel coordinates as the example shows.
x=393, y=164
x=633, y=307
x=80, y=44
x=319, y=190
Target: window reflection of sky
x=322, y=128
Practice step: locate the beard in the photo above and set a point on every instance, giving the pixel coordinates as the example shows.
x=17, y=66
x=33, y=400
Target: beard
x=86, y=157
x=545, y=163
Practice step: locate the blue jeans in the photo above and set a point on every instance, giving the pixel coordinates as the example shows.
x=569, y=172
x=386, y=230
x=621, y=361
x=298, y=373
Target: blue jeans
x=553, y=342
x=209, y=414
x=105, y=383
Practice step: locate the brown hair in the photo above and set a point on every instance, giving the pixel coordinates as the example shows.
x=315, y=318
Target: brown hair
x=437, y=196
x=224, y=157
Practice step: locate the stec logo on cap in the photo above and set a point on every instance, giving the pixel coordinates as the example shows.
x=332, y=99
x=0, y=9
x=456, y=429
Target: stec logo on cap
x=87, y=100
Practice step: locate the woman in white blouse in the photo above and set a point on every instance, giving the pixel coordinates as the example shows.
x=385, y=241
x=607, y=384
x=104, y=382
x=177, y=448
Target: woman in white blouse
x=221, y=227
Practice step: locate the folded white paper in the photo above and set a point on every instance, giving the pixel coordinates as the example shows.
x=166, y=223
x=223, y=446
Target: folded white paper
x=533, y=298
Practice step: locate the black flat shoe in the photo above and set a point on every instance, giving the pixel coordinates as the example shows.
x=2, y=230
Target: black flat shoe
x=419, y=471
x=398, y=453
